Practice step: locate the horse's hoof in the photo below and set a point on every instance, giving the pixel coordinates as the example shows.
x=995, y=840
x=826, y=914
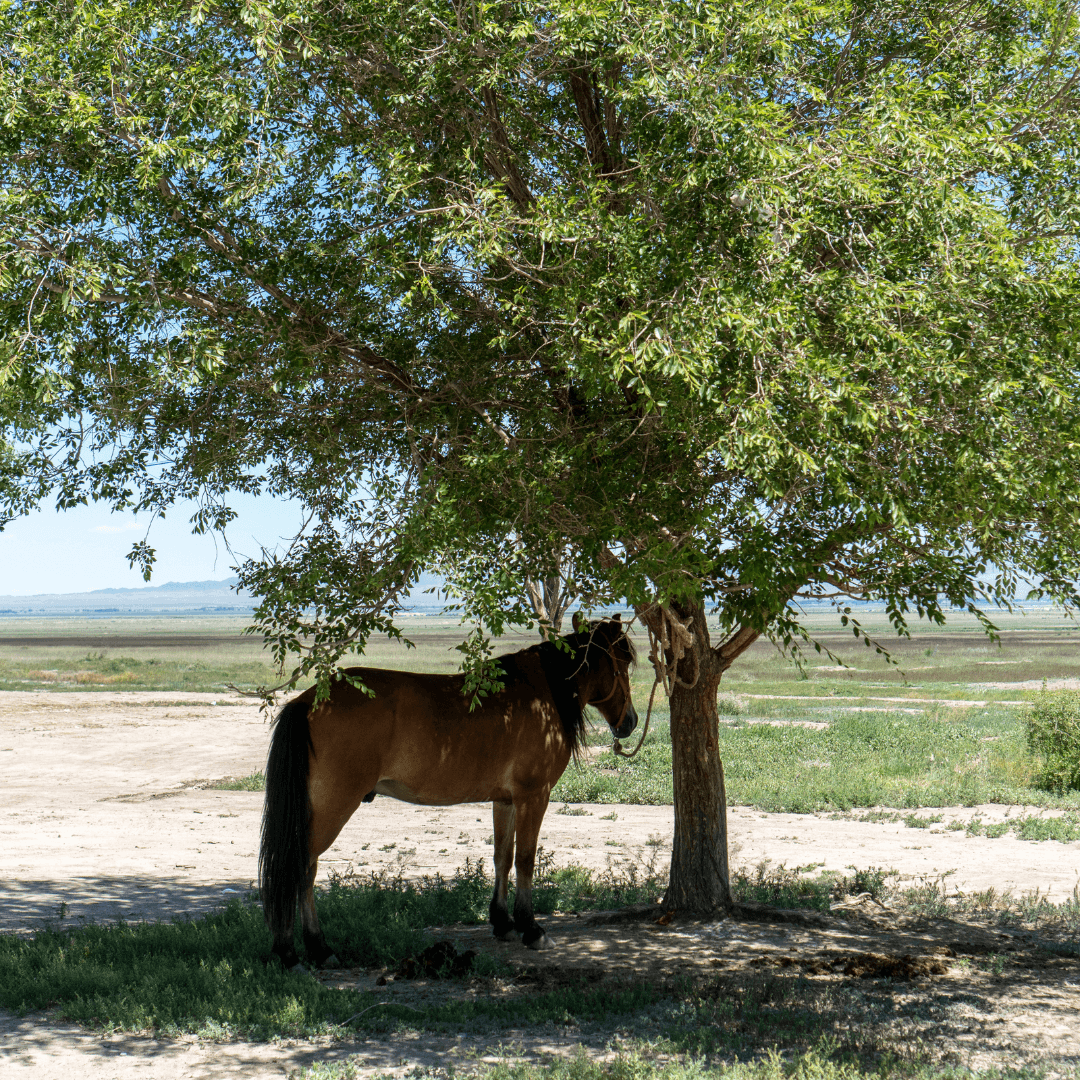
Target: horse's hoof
x=506, y=935
x=542, y=942
x=331, y=962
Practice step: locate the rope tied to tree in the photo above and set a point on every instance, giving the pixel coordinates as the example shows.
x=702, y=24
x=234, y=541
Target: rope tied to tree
x=675, y=638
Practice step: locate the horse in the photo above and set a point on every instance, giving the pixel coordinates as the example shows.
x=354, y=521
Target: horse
x=413, y=737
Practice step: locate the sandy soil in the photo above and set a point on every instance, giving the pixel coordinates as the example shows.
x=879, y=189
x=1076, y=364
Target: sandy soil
x=106, y=810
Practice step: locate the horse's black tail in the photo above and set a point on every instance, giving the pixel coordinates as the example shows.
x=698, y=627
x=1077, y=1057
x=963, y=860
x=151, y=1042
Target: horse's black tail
x=283, y=857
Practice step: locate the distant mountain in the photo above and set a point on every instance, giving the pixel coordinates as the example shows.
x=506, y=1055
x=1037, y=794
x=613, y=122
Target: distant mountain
x=228, y=585
x=177, y=597
x=174, y=596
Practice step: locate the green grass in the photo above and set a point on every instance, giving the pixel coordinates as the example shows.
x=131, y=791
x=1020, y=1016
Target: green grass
x=209, y=977
x=194, y=653
x=233, y=663
x=255, y=781
x=784, y=887
x=814, y=1064
x=1065, y=829
x=950, y=661
x=1053, y=734
x=942, y=757
x=214, y=975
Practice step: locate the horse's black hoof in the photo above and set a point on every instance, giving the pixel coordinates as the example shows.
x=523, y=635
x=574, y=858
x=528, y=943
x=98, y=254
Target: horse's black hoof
x=502, y=925
x=288, y=959
x=535, y=938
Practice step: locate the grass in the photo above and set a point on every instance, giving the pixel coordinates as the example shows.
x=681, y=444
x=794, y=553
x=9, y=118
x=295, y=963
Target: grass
x=784, y=887
x=811, y=1065
x=941, y=757
x=814, y=1064
x=214, y=976
x=255, y=781
x=209, y=977
x=189, y=653
x=205, y=653
x=932, y=898
x=1053, y=734
x=104, y=670
x=735, y=1026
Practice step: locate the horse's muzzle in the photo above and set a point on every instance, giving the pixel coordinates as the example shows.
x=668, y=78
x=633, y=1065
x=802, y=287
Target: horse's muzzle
x=626, y=728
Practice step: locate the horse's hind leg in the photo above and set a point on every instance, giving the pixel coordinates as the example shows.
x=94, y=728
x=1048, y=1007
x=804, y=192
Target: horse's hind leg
x=530, y=813
x=328, y=818
x=319, y=953
x=503, y=814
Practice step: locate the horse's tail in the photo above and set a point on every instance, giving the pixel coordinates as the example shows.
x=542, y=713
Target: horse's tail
x=283, y=856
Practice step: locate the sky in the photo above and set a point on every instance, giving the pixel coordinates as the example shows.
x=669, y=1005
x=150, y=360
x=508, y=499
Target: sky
x=84, y=549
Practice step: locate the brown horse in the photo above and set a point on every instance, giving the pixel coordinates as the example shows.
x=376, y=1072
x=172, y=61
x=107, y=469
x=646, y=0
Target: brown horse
x=417, y=741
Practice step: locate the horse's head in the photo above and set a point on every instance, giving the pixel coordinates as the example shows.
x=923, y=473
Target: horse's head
x=605, y=675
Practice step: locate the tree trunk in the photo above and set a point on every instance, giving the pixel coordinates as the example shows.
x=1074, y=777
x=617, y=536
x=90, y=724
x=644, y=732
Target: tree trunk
x=700, y=878
x=550, y=596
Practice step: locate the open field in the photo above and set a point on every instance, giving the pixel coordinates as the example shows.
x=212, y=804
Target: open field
x=206, y=653
x=118, y=807
x=836, y=739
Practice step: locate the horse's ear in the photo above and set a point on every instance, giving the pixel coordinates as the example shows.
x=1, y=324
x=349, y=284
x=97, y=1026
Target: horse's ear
x=581, y=624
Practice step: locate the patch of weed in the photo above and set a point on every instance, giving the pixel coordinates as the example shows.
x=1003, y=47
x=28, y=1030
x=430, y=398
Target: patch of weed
x=1065, y=828
x=914, y=821
x=255, y=781
x=1053, y=733
x=782, y=887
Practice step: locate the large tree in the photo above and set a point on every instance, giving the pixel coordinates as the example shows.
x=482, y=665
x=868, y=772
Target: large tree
x=735, y=303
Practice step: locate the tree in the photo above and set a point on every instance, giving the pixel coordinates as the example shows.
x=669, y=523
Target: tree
x=551, y=592
x=743, y=304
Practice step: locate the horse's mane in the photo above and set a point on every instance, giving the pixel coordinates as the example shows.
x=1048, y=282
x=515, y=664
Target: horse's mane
x=560, y=668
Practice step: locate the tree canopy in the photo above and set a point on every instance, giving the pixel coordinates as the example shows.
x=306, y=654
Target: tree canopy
x=736, y=303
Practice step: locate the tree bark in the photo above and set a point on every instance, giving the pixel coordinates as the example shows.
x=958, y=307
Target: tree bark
x=700, y=878
x=550, y=597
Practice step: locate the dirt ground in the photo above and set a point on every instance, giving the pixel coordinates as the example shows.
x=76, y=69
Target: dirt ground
x=107, y=813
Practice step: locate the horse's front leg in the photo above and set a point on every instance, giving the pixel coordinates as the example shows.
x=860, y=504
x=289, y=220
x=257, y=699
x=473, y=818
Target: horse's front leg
x=319, y=953
x=530, y=813
x=503, y=815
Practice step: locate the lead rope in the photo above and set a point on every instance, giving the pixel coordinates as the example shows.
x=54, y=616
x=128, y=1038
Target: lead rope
x=677, y=638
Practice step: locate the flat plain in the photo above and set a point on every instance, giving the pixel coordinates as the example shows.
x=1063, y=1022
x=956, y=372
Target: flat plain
x=131, y=774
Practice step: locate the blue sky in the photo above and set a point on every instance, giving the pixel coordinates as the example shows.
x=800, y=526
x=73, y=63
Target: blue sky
x=84, y=549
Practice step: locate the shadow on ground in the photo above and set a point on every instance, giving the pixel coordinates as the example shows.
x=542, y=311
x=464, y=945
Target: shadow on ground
x=28, y=905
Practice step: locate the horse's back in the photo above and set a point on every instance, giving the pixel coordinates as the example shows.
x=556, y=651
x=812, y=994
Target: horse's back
x=413, y=737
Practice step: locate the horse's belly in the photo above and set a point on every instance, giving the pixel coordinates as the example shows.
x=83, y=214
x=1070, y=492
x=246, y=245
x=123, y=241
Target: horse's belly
x=397, y=790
